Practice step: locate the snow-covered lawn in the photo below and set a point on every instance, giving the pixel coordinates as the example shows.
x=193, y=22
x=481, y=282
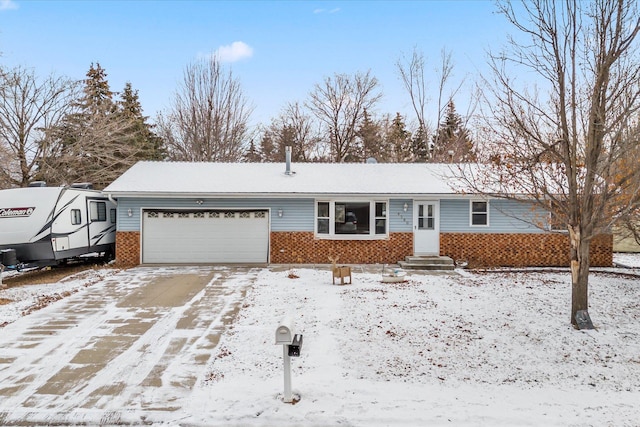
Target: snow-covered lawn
x=627, y=259
x=473, y=349
x=462, y=349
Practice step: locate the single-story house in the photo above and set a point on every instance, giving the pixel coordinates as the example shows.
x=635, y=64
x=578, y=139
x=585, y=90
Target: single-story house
x=176, y=212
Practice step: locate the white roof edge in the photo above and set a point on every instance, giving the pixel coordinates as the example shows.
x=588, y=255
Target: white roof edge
x=185, y=195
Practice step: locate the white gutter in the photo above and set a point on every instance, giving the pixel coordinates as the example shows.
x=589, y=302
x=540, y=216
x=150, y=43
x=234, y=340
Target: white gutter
x=111, y=199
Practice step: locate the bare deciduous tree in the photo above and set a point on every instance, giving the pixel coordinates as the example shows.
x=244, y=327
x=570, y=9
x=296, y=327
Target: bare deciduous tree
x=562, y=146
x=444, y=73
x=339, y=102
x=208, y=119
x=412, y=74
x=413, y=78
x=294, y=128
x=96, y=151
x=28, y=106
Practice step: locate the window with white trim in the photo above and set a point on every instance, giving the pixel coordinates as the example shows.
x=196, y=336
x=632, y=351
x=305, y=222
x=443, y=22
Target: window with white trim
x=479, y=213
x=323, y=217
x=381, y=218
x=351, y=218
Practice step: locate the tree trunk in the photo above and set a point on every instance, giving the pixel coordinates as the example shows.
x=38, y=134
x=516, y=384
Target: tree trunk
x=579, y=273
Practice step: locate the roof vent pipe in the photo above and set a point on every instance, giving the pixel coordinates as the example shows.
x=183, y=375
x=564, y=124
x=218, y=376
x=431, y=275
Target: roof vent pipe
x=287, y=151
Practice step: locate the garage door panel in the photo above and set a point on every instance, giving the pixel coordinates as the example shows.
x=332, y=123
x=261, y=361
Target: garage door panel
x=206, y=237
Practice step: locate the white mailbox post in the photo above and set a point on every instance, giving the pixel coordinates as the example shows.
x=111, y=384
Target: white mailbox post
x=284, y=337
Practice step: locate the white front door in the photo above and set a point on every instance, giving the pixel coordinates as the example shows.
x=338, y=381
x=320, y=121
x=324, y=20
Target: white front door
x=426, y=228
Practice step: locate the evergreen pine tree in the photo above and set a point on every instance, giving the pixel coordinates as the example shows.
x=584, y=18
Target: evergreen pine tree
x=98, y=96
x=452, y=142
x=139, y=131
x=268, y=147
x=399, y=140
x=286, y=138
x=371, y=141
x=420, y=145
x=100, y=139
x=253, y=154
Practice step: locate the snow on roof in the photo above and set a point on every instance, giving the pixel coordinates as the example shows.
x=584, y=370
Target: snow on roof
x=173, y=178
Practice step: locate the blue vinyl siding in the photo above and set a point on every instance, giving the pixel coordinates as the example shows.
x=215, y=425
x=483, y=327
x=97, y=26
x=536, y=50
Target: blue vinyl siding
x=504, y=217
x=297, y=214
x=399, y=220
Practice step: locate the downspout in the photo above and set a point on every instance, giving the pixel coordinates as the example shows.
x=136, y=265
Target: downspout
x=111, y=199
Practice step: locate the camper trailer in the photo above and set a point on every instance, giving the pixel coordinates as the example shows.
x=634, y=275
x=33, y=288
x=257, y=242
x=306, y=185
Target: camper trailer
x=42, y=225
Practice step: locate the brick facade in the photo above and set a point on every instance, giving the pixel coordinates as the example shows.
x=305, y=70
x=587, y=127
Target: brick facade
x=127, y=248
x=479, y=249
x=303, y=248
x=519, y=250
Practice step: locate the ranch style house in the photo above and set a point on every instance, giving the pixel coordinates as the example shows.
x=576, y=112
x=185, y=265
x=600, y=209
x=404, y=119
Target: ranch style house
x=279, y=213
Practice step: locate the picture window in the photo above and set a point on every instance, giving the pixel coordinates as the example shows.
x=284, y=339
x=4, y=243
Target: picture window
x=351, y=218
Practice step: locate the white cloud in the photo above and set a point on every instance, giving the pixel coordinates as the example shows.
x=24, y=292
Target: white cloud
x=8, y=5
x=234, y=52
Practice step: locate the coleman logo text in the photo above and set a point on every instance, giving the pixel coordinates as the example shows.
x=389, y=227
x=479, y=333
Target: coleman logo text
x=14, y=212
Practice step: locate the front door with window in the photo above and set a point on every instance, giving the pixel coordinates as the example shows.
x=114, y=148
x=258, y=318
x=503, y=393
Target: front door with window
x=426, y=228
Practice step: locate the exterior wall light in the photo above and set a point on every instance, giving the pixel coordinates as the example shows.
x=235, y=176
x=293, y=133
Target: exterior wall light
x=405, y=206
x=129, y=212
x=280, y=213
x=199, y=201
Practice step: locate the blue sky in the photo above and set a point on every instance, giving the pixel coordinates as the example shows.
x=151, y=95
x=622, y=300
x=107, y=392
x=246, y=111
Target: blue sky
x=277, y=49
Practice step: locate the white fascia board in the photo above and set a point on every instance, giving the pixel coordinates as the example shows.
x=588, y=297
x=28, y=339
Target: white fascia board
x=284, y=195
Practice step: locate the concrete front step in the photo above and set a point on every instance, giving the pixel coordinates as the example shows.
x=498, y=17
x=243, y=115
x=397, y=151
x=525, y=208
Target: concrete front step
x=427, y=263
x=413, y=266
x=432, y=259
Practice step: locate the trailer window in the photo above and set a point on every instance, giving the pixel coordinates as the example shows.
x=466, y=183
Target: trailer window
x=98, y=211
x=113, y=216
x=76, y=216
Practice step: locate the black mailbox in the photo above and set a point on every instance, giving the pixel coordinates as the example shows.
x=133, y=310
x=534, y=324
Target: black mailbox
x=295, y=346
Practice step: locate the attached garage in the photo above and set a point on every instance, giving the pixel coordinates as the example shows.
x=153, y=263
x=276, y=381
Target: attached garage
x=205, y=236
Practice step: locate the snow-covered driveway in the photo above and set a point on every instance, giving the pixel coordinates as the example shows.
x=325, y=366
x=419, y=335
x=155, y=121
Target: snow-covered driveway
x=137, y=341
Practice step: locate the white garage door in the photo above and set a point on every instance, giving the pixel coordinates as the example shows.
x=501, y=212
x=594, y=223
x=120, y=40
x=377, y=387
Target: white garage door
x=220, y=236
